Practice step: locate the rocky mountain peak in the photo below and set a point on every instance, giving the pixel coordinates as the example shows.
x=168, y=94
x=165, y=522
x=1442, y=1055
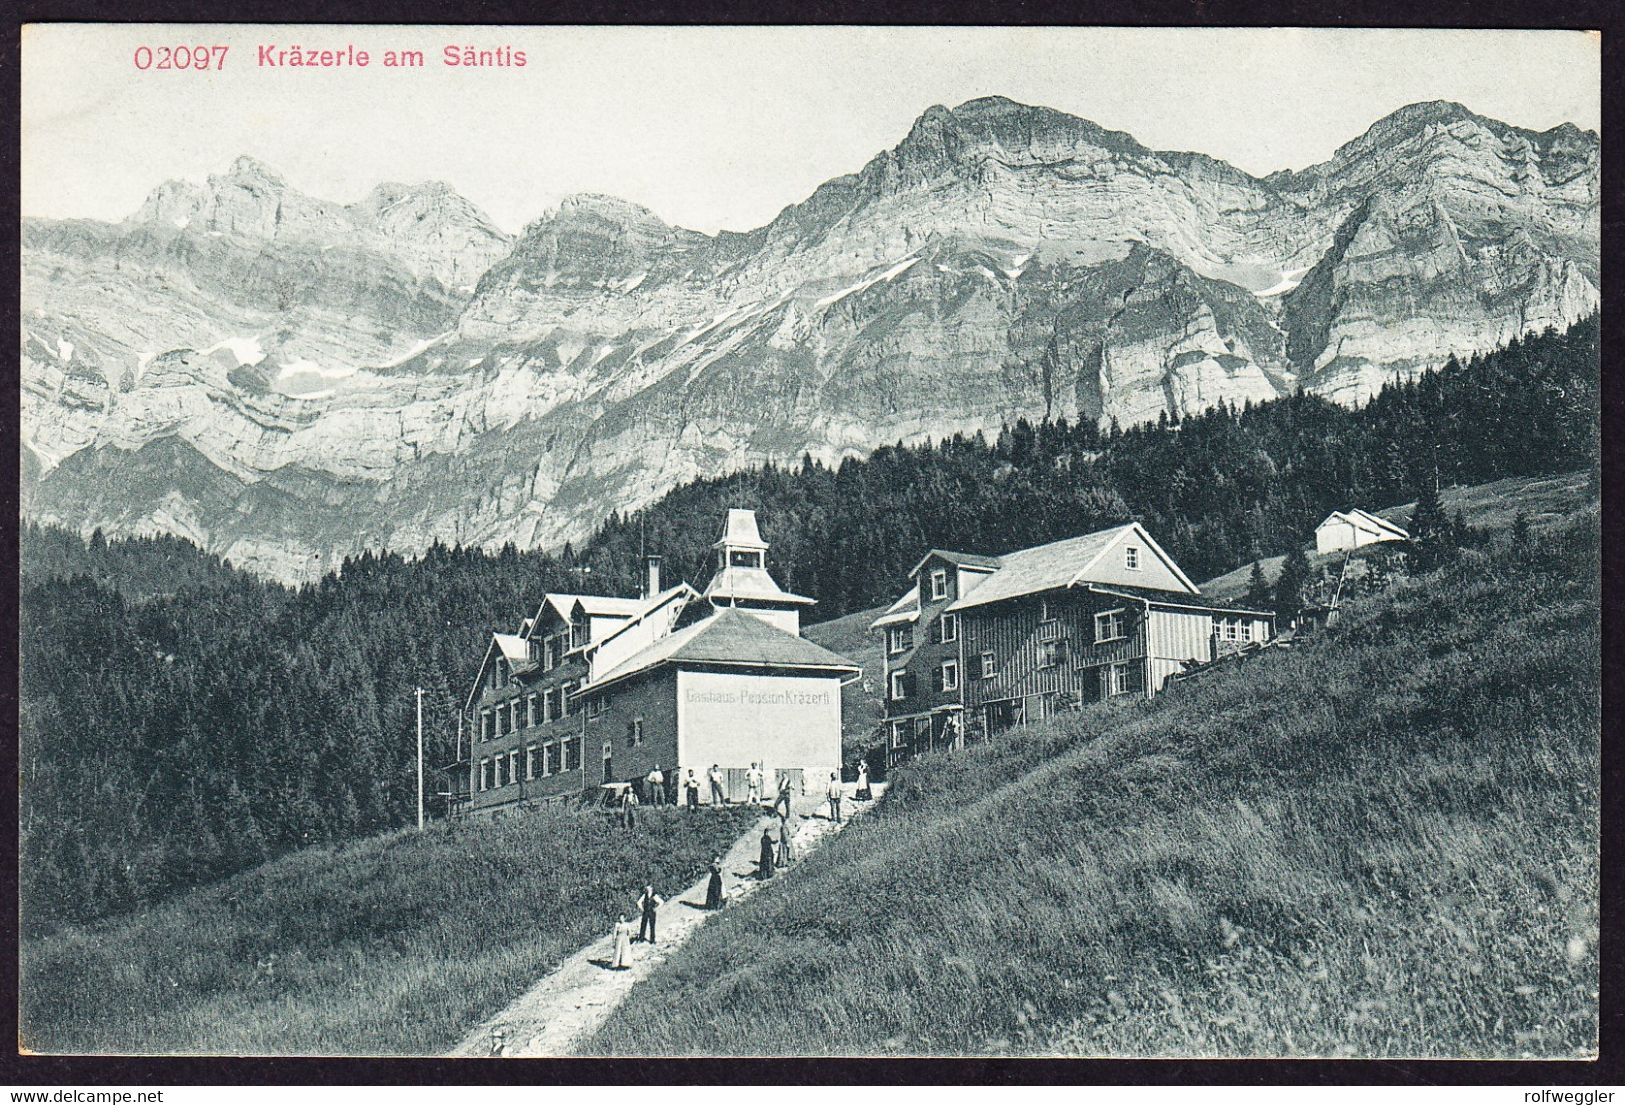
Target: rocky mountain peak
x=248, y=168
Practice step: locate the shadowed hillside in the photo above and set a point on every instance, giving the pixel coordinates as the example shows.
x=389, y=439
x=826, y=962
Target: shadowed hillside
x=1381, y=843
x=394, y=945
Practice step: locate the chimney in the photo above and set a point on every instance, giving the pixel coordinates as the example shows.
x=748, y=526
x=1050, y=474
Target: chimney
x=653, y=585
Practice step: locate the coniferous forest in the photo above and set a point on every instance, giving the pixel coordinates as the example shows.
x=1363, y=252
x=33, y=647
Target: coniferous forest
x=181, y=720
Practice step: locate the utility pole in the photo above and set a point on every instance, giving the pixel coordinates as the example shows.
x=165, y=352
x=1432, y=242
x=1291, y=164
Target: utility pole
x=420, y=758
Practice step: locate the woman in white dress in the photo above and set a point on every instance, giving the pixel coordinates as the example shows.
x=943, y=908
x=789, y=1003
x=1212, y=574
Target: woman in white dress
x=623, y=944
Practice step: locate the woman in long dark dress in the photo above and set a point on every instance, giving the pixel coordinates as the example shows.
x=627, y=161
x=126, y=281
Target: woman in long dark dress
x=764, y=866
x=713, y=889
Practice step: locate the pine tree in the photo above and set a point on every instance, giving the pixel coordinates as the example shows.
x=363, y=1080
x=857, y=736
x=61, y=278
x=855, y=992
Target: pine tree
x=1431, y=537
x=1290, y=584
x=1259, y=594
x=1523, y=540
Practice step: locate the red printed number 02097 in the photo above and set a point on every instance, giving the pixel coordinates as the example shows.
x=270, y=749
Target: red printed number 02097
x=180, y=57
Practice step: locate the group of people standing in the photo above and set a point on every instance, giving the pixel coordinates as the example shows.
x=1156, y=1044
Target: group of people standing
x=777, y=848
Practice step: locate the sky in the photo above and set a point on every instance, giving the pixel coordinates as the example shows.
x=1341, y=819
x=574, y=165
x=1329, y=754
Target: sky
x=721, y=128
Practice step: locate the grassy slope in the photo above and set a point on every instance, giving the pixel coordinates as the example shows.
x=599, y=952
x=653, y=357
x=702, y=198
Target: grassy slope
x=1381, y=843
x=1492, y=506
x=851, y=637
x=395, y=945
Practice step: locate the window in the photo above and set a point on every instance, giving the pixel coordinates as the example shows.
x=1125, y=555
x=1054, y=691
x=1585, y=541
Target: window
x=899, y=684
x=1131, y=558
x=485, y=773
x=501, y=765
x=1125, y=679
x=1109, y=626
x=533, y=710
x=513, y=766
x=486, y=725
x=899, y=734
x=514, y=722
x=565, y=691
x=502, y=719
x=939, y=583
x=634, y=732
x=1051, y=653
x=550, y=653
x=597, y=704
x=900, y=638
x=745, y=558
x=990, y=665
x=1230, y=627
x=554, y=751
x=570, y=751
x=578, y=633
x=950, y=675
x=948, y=628
x=530, y=762
x=1049, y=629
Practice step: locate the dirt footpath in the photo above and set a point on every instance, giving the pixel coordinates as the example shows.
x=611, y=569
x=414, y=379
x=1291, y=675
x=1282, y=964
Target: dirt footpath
x=565, y=1007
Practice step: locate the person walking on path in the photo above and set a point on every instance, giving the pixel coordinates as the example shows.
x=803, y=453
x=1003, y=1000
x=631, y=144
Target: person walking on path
x=863, y=793
x=692, y=786
x=835, y=794
x=622, y=958
x=786, y=833
x=656, y=780
x=629, y=803
x=753, y=785
x=648, y=904
x=782, y=802
x=713, y=888
x=719, y=797
x=764, y=864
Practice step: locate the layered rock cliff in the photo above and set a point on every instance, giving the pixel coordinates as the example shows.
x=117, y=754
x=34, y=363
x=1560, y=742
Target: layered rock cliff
x=287, y=380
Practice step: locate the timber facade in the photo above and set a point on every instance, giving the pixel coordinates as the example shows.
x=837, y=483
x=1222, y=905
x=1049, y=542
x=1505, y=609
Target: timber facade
x=1043, y=631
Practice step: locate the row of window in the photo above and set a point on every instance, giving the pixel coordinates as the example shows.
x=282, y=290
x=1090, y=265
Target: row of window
x=536, y=761
x=529, y=710
x=945, y=676
x=1109, y=626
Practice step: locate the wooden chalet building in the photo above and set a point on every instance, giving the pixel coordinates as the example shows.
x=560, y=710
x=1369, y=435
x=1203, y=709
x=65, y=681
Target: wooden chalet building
x=596, y=689
x=996, y=641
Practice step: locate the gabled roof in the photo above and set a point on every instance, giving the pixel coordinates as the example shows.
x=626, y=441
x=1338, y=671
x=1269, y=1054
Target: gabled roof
x=905, y=609
x=1365, y=520
x=733, y=638
x=961, y=559
x=514, y=648
x=738, y=583
x=1380, y=523
x=647, y=607
x=1060, y=564
x=563, y=604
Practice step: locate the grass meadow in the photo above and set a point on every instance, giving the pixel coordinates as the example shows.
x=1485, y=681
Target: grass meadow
x=1381, y=843
x=394, y=945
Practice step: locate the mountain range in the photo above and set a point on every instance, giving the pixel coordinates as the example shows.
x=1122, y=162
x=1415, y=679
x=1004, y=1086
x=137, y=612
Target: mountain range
x=287, y=380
